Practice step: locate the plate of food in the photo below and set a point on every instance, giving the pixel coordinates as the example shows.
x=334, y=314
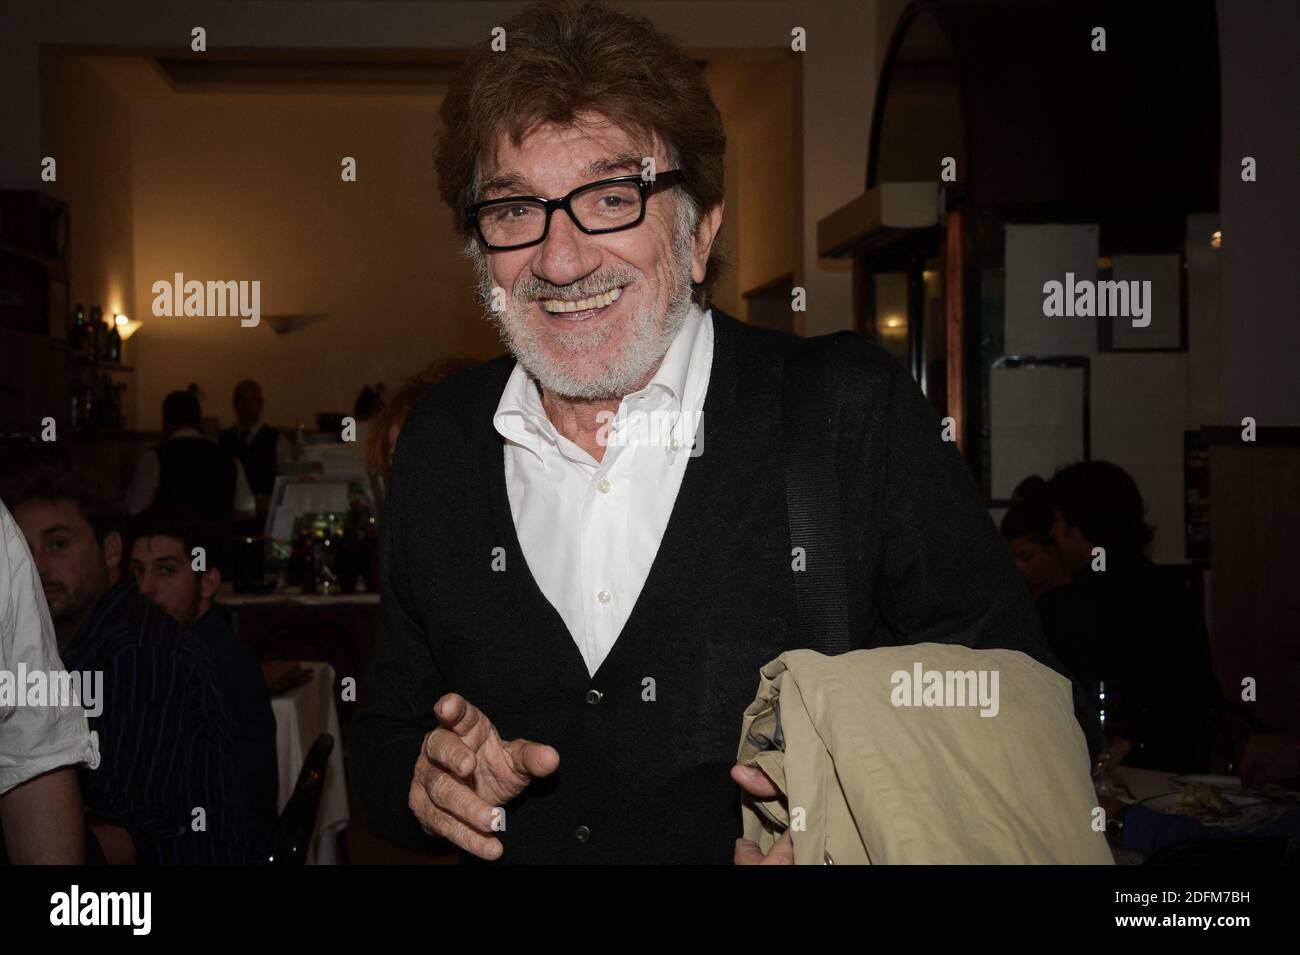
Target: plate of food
x=1212, y=806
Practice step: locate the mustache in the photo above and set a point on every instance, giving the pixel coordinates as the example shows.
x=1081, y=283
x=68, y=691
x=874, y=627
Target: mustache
x=532, y=288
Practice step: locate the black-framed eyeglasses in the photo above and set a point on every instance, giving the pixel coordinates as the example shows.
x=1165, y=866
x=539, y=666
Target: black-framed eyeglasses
x=597, y=208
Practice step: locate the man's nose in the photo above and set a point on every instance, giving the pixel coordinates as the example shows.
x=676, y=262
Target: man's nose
x=566, y=255
x=145, y=584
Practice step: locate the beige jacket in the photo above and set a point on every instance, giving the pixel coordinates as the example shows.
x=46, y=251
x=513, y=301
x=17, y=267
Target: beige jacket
x=884, y=757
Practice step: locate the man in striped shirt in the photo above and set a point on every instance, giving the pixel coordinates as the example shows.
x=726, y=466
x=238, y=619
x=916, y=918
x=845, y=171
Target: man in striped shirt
x=165, y=791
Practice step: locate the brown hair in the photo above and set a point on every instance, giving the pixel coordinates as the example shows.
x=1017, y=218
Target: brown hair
x=54, y=484
x=379, y=449
x=562, y=59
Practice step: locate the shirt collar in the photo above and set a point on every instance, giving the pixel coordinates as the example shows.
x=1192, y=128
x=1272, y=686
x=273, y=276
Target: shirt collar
x=671, y=374
x=521, y=418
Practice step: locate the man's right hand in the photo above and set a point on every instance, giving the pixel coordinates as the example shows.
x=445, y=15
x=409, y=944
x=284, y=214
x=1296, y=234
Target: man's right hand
x=465, y=775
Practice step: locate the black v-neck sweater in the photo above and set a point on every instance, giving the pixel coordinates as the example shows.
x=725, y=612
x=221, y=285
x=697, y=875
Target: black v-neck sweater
x=644, y=761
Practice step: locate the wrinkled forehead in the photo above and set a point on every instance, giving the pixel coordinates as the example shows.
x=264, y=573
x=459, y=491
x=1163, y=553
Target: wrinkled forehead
x=549, y=156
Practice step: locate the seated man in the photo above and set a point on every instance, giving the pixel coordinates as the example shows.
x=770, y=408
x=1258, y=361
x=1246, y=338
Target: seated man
x=165, y=790
x=40, y=746
x=162, y=554
x=1130, y=625
x=1027, y=529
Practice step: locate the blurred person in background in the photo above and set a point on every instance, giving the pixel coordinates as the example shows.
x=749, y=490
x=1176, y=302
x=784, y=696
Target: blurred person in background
x=190, y=471
x=260, y=448
x=162, y=546
x=1027, y=529
x=1125, y=622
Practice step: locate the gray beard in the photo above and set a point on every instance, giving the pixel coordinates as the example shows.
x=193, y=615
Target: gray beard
x=614, y=376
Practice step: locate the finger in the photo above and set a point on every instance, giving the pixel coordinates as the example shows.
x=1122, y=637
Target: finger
x=457, y=713
x=452, y=796
x=455, y=831
x=755, y=782
x=782, y=851
x=532, y=759
x=438, y=823
x=748, y=853
x=447, y=750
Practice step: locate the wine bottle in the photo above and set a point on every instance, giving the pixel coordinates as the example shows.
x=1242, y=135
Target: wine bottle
x=114, y=344
x=96, y=342
x=77, y=334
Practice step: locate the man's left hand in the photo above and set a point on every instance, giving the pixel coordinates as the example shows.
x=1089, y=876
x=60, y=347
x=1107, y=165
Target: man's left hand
x=759, y=785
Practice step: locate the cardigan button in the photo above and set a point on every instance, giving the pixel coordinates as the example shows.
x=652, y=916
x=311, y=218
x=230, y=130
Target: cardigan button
x=594, y=696
x=582, y=833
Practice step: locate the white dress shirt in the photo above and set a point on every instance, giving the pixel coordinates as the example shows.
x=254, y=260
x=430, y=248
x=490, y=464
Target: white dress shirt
x=590, y=529
x=33, y=739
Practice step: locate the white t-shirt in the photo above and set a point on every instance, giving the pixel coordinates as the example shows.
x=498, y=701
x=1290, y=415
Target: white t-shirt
x=34, y=739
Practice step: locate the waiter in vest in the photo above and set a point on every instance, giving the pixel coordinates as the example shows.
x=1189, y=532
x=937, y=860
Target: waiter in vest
x=260, y=448
x=586, y=555
x=190, y=471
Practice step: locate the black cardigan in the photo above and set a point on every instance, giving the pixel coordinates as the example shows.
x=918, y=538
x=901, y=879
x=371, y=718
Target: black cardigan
x=646, y=780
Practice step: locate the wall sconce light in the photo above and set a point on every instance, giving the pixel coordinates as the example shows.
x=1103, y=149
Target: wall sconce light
x=1216, y=239
x=893, y=322
x=125, y=327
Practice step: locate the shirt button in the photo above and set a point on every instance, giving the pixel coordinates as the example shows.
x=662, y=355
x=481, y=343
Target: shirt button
x=603, y=487
x=582, y=833
x=673, y=445
x=604, y=596
x=593, y=696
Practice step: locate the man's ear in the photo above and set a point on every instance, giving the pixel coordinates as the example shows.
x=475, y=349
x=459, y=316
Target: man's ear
x=705, y=235
x=113, y=551
x=209, y=582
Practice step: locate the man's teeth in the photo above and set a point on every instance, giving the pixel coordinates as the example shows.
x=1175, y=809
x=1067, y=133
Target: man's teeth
x=596, y=301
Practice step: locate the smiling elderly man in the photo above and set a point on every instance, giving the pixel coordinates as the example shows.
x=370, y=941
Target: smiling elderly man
x=573, y=619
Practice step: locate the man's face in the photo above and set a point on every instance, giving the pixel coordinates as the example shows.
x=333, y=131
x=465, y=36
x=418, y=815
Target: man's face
x=162, y=573
x=75, y=570
x=248, y=403
x=609, y=351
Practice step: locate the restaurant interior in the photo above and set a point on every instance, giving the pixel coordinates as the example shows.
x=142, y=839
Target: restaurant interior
x=915, y=174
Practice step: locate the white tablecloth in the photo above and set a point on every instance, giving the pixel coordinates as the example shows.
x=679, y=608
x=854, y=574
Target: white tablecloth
x=301, y=715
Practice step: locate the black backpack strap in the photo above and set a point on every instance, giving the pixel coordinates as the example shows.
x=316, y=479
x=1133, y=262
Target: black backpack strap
x=812, y=497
